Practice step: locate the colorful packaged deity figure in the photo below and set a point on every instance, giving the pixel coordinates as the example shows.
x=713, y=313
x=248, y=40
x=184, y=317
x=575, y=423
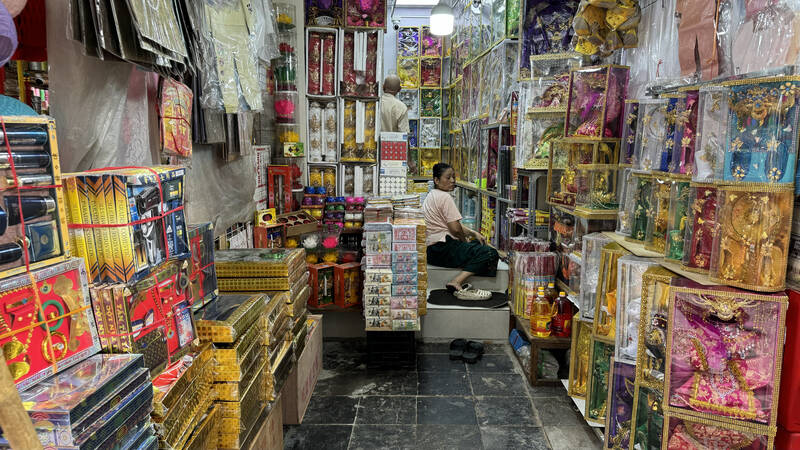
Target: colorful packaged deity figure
x=751, y=241
x=724, y=353
x=762, y=130
x=712, y=129
x=701, y=222
x=595, y=102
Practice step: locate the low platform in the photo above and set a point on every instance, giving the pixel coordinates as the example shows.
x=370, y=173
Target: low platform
x=439, y=276
x=449, y=322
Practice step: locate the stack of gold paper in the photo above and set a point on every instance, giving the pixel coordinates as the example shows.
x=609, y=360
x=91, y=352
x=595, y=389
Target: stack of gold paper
x=182, y=395
x=259, y=269
x=236, y=325
x=206, y=433
x=296, y=304
x=422, y=260
x=278, y=344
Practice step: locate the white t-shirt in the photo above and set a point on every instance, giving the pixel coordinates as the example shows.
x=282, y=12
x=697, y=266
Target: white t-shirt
x=440, y=209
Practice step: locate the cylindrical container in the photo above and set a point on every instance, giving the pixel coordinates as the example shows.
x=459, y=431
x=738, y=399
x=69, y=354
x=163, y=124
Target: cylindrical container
x=329, y=131
x=712, y=129
x=285, y=107
x=751, y=244
x=33, y=207
x=285, y=16
x=25, y=160
x=284, y=70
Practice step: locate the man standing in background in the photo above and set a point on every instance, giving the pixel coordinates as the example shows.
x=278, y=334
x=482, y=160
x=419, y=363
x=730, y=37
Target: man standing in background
x=394, y=113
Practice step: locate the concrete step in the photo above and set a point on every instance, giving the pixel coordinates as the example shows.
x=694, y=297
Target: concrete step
x=439, y=276
x=450, y=322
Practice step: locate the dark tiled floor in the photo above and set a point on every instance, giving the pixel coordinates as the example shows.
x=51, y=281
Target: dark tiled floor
x=438, y=404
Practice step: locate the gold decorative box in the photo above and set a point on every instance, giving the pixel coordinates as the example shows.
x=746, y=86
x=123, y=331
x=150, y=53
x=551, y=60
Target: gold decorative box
x=206, y=434
x=227, y=318
x=259, y=262
x=579, y=358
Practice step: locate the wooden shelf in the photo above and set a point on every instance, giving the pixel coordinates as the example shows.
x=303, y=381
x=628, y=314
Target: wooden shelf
x=637, y=248
x=700, y=278
x=537, y=343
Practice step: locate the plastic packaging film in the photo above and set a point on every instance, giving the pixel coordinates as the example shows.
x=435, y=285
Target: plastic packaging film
x=726, y=340
x=592, y=247
x=234, y=38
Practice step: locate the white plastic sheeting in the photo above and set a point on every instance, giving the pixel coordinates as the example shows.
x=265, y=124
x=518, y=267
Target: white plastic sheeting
x=106, y=116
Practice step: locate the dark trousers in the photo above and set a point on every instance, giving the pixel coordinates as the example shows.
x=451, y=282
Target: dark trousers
x=470, y=256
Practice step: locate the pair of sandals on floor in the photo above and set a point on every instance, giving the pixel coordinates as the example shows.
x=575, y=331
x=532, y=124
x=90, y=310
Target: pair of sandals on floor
x=467, y=292
x=464, y=350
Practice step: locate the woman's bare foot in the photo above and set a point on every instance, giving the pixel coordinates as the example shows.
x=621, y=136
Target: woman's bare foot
x=453, y=287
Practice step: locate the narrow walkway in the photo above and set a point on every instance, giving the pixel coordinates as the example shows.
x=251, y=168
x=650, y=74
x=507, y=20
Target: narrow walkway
x=440, y=404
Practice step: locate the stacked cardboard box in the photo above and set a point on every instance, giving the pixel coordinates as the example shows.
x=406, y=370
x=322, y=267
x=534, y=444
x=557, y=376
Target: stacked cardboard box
x=103, y=401
x=391, y=280
x=235, y=326
x=422, y=254
x=278, y=345
x=152, y=316
x=202, y=272
x=126, y=222
x=30, y=189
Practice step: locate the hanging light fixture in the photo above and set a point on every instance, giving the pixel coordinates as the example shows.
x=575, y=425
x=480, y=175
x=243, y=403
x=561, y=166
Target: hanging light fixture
x=442, y=19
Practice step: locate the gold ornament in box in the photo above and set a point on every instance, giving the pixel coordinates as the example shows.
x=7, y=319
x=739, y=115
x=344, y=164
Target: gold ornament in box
x=751, y=245
x=597, y=387
x=606, y=297
x=579, y=359
x=656, y=234
x=227, y=318
x=651, y=349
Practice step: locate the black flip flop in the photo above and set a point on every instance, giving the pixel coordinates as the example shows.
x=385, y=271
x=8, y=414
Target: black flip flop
x=473, y=352
x=457, y=348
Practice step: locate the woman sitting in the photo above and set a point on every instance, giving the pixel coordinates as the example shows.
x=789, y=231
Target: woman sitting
x=447, y=240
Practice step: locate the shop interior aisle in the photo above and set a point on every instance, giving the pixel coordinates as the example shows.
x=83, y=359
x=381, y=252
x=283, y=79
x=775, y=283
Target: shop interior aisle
x=439, y=404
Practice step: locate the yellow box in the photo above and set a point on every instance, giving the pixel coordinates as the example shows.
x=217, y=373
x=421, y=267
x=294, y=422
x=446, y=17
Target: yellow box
x=235, y=372
x=258, y=262
x=206, y=434
x=228, y=327
x=233, y=355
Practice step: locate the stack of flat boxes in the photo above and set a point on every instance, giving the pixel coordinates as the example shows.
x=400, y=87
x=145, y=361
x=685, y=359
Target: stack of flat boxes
x=422, y=261
x=259, y=269
x=405, y=278
x=278, y=345
x=179, y=404
x=296, y=301
x=235, y=326
x=103, y=401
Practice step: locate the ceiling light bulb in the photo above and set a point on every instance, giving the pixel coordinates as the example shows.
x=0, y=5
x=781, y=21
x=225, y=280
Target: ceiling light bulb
x=442, y=19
